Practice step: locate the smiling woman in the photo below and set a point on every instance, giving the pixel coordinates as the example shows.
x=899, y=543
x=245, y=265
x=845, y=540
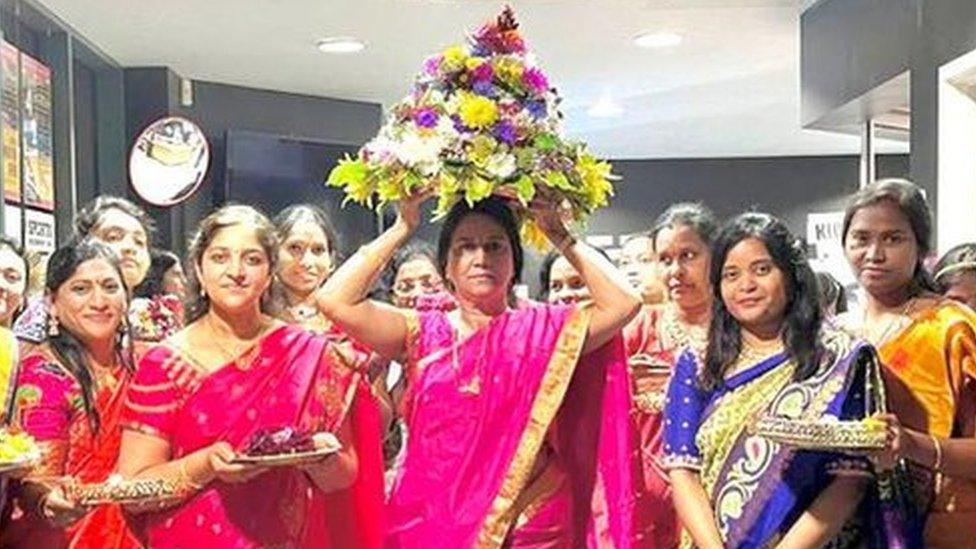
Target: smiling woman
x=768, y=354
x=201, y=396
x=69, y=397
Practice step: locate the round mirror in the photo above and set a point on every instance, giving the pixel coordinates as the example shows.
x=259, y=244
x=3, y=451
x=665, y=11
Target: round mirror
x=168, y=161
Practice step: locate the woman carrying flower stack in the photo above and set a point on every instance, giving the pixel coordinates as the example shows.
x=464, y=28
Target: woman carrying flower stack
x=518, y=416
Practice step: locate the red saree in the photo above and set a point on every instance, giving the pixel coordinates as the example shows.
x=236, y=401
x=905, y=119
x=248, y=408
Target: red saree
x=48, y=406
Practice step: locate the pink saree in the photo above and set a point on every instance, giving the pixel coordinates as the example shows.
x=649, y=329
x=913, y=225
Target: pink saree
x=509, y=431
x=292, y=378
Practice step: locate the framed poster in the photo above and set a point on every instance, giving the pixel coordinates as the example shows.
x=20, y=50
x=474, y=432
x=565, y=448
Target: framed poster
x=35, y=89
x=12, y=216
x=39, y=233
x=10, y=120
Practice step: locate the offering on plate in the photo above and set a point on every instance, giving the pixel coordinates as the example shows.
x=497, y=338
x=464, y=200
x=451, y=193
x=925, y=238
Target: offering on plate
x=288, y=446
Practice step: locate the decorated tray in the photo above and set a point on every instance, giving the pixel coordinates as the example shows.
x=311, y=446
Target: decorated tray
x=288, y=447
x=117, y=490
x=850, y=436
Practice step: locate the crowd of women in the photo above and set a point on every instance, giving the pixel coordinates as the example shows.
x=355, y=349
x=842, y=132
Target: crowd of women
x=616, y=411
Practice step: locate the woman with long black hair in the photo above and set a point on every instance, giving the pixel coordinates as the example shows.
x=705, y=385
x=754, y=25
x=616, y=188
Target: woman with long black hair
x=767, y=354
x=69, y=397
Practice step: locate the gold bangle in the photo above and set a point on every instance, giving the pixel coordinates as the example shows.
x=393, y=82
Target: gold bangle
x=937, y=466
x=185, y=479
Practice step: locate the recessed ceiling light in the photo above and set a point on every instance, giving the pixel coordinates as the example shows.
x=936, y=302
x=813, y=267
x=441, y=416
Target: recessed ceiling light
x=605, y=107
x=655, y=40
x=340, y=44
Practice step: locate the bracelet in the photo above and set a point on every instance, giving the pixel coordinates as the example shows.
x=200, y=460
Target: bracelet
x=185, y=479
x=937, y=466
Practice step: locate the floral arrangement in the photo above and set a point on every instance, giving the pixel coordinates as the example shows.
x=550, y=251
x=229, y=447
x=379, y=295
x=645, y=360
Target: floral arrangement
x=481, y=119
x=17, y=448
x=156, y=318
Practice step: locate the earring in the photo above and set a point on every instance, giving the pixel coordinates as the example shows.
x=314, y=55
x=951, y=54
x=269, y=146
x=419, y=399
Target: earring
x=53, y=329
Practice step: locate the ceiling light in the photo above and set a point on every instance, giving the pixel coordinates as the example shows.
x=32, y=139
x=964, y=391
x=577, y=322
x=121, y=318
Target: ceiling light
x=340, y=44
x=605, y=107
x=655, y=40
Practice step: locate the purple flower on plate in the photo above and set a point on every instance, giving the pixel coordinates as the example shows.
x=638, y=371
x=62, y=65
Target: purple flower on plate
x=425, y=117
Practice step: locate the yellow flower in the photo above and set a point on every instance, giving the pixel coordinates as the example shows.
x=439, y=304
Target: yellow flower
x=596, y=180
x=477, y=111
x=455, y=57
x=533, y=236
x=473, y=63
x=509, y=70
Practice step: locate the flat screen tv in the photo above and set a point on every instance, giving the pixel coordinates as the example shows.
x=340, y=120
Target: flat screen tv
x=273, y=172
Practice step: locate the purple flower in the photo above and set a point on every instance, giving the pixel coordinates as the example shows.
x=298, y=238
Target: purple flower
x=425, y=117
x=484, y=88
x=483, y=72
x=458, y=125
x=505, y=132
x=432, y=65
x=536, y=108
x=535, y=80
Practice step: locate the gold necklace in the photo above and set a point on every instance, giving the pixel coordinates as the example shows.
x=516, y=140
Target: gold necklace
x=239, y=354
x=872, y=336
x=751, y=354
x=680, y=335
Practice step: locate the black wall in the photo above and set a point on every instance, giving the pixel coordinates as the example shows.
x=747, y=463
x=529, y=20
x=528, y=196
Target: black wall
x=790, y=187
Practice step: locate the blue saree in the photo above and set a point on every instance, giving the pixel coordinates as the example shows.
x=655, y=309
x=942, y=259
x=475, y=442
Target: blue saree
x=757, y=487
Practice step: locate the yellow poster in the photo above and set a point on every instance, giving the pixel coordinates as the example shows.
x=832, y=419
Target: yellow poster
x=10, y=120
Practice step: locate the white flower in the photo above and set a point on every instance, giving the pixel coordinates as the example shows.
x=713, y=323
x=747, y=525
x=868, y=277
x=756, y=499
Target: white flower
x=501, y=165
x=420, y=151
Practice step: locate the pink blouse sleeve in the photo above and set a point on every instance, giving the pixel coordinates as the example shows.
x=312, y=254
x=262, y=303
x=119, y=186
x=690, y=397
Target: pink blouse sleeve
x=47, y=401
x=153, y=399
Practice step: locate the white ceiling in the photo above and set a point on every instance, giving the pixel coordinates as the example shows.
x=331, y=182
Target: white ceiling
x=730, y=89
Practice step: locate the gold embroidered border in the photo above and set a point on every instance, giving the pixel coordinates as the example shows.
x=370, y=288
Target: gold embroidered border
x=144, y=429
x=154, y=388
x=555, y=381
x=150, y=409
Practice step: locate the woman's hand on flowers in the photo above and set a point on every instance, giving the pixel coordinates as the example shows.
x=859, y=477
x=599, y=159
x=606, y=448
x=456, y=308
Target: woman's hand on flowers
x=409, y=209
x=551, y=216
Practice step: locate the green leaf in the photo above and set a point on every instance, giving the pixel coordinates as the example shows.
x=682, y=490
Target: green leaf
x=546, y=142
x=348, y=171
x=525, y=188
x=477, y=189
x=559, y=181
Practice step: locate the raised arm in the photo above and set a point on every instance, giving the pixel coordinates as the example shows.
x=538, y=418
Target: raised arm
x=615, y=302
x=343, y=297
